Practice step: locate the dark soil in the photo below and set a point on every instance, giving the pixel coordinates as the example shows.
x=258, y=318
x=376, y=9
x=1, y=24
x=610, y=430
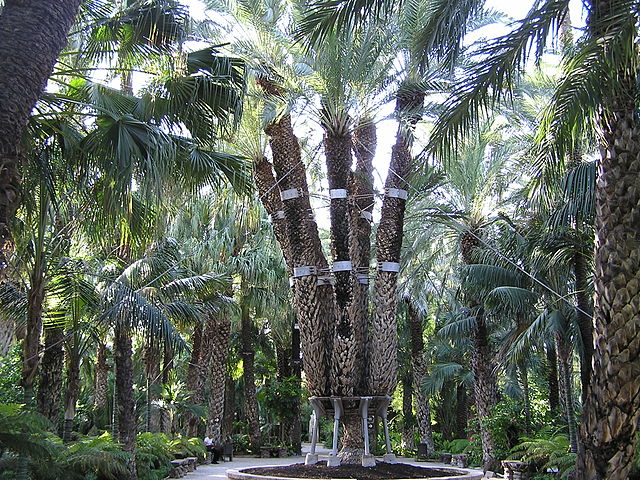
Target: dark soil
x=381, y=471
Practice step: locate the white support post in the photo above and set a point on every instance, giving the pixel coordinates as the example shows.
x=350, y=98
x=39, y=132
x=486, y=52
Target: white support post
x=388, y=457
x=312, y=456
x=368, y=460
x=334, y=460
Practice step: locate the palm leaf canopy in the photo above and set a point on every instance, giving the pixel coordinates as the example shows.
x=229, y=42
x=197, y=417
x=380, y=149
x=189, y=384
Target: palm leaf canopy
x=155, y=292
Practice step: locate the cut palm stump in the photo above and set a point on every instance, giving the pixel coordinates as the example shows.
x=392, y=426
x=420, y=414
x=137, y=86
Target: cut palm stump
x=338, y=407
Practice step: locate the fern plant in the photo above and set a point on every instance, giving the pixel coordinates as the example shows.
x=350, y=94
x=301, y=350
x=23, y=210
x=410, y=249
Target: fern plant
x=547, y=449
x=153, y=455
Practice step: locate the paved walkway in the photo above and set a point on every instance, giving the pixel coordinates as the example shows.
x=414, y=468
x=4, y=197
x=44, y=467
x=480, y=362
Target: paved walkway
x=219, y=471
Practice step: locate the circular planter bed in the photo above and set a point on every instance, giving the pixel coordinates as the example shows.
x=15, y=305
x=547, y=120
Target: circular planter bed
x=382, y=471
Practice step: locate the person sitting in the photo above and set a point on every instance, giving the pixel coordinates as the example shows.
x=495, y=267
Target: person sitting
x=213, y=448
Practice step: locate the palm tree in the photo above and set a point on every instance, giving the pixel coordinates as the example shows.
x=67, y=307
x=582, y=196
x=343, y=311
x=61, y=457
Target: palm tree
x=150, y=294
x=33, y=34
x=598, y=88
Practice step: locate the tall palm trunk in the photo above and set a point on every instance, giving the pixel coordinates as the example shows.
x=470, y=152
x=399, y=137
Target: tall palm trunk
x=195, y=378
x=462, y=411
x=152, y=373
x=125, y=402
x=485, y=388
x=31, y=343
x=364, y=148
x=612, y=410
x=585, y=320
x=50, y=387
x=101, y=388
x=383, y=333
x=566, y=388
x=229, y=404
x=32, y=34
x=419, y=366
x=552, y=377
x=408, y=419
x=337, y=149
x=248, y=375
x=216, y=342
x=72, y=391
x=314, y=303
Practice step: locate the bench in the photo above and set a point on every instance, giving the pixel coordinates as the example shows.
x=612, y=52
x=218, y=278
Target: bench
x=273, y=452
x=180, y=467
x=227, y=450
x=459, y=460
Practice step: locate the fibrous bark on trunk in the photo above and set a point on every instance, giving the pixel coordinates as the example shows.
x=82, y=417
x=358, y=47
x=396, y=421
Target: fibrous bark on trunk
x=101, y=389
x=125, y=402
x=31, y=343
x=315, y=304
x=362, y=203
x=383, y=333
x=612, y=410
x=216, y=342
x=408, y=419
x=485, y=388
x=50, y=387
x=32, y=34
x=552, y=377
x=248, y=376
x=196, y=375
x=72, y=391
x=419, y=367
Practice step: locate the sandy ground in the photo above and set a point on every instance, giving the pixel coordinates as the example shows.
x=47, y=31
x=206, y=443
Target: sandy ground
x=219, y=471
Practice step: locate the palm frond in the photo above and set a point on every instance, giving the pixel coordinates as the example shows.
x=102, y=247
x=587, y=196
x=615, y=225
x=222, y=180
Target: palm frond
x=438, y=375
x=502, y=62
x=513, y=299
x=326, y=16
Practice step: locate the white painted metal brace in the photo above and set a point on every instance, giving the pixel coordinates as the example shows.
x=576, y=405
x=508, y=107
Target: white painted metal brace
x=342, y=266
x=279, y=214
x=366, y=215
x=291, y=281
x=363, y=278
x=326, y=280
x=396, y=193
x=291, y=194
x=337, y=193
x=388, y=267
x=305, y=271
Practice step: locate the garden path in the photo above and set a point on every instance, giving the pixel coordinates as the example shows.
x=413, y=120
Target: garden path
x=219, y=471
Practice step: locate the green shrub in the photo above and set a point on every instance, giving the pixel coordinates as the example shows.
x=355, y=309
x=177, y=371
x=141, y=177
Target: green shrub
x=459, y=445
x=153, y=456
x=548, y=448
x=188, y=447
x=98, y=458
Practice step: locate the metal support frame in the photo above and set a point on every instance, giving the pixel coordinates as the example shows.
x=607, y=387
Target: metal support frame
x=327, y=406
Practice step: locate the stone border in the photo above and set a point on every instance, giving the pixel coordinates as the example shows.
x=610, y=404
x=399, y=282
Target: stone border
x=238, y=474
